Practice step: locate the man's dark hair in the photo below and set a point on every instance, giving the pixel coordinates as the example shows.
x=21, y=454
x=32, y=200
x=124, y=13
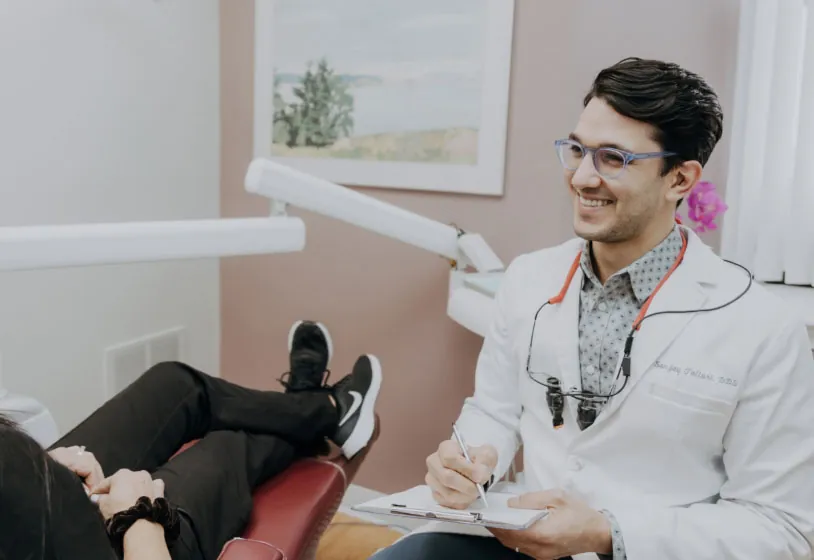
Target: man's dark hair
x=680, y=105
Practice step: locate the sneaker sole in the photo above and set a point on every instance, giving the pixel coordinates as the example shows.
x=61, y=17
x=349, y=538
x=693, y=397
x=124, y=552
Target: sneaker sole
x=324, y=331
x=363, y=430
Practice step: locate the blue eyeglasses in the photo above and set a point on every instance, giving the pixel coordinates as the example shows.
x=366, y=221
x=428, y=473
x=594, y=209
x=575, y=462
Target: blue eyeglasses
x=610, y=163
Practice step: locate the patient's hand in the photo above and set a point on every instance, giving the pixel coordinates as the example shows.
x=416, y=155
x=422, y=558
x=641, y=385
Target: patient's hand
x=81, y=462
x=122, y=490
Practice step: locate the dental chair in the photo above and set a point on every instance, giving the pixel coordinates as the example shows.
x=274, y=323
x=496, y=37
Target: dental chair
x=292, y=510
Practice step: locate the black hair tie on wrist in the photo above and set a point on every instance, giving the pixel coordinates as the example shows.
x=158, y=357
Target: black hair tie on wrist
x=159, y=511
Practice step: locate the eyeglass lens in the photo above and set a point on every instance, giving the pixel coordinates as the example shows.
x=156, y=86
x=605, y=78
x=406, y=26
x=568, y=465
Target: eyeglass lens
x=608, y=162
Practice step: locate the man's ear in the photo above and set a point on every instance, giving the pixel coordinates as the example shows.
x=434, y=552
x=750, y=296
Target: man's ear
x=684, y=178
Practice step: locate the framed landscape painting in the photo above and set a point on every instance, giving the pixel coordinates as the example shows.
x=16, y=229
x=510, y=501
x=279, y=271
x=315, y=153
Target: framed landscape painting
x=408, y=94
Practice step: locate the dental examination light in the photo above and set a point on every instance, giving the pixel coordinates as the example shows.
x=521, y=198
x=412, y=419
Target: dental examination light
x=467, y=305
x=61, y=246
x=58, y=246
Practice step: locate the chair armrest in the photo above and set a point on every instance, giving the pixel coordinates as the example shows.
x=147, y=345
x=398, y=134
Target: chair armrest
x=292, y=510
x=245, y=549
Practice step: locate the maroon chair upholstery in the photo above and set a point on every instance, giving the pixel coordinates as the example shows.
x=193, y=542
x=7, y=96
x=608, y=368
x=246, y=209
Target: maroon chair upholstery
x=251, y=550
x=292, y=510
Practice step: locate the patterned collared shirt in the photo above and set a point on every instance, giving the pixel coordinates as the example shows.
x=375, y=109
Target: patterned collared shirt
x=606, y=315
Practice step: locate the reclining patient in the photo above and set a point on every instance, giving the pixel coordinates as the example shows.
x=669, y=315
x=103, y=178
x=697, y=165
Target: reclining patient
x=153, y=506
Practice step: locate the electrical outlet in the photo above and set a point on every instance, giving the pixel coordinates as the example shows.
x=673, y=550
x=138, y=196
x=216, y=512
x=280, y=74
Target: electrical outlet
x=123, y=365
x=166, y=347
x=126, y=362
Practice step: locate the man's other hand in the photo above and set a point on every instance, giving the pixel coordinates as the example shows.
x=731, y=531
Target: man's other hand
x=571, y=527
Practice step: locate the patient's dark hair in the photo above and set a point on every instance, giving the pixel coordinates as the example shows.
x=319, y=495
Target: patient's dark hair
x=680, y=105
x=14, y=440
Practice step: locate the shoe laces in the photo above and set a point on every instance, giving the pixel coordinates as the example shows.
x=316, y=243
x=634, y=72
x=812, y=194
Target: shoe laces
x=286, y=376
x=342, y=382
x=283, y=379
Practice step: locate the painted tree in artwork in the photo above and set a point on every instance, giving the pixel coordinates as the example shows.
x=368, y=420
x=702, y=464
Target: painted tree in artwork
x=285, y=128
x=321, y=113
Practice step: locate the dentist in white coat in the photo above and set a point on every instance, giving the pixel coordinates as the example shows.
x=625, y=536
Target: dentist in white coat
x=701, y=443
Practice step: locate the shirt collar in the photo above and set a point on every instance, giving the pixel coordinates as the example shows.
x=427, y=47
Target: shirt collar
x=645, y=273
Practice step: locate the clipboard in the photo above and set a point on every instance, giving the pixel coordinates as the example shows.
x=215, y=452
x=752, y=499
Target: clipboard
x=418, y=503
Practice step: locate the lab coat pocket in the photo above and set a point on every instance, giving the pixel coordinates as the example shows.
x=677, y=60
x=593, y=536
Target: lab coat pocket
x=689, y=418
x=701, y=403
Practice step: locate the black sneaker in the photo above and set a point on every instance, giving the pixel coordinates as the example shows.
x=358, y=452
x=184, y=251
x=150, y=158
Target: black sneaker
x=355, y=397
x=309, y=353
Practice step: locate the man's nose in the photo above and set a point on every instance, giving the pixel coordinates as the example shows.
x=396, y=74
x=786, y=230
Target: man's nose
x=586, y=175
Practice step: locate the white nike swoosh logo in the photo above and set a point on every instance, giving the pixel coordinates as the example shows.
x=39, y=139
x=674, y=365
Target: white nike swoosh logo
x=357, y=402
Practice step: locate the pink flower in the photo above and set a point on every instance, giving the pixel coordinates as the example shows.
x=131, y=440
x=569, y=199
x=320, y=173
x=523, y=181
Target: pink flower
x=704, y=205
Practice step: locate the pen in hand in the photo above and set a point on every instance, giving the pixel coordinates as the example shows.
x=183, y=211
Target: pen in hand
x=462, y=445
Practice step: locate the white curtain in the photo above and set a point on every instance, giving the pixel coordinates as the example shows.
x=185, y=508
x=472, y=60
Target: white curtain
x=770, y=188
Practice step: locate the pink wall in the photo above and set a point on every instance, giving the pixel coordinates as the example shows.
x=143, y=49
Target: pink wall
x=384, y=297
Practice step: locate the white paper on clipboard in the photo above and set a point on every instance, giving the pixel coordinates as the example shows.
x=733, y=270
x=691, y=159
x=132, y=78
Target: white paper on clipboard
x=418, y=503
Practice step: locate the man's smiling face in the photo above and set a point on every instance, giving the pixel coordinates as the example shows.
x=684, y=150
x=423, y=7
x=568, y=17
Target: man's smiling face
x=612, y=210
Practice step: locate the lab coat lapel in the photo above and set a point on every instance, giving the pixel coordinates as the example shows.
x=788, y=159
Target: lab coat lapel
x=682, y=291
x=568, y=340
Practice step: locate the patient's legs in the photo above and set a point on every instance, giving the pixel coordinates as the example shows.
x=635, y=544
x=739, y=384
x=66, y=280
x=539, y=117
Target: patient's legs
x=247, y=435
x=212, y=483
x=171, y=404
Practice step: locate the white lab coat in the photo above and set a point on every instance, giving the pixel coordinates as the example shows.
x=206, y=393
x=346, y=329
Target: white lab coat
x=708, y=453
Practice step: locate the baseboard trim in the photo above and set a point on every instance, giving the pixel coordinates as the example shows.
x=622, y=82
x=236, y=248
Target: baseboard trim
x=356, y=495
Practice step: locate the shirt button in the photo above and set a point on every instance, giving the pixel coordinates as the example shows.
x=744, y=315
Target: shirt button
x=603, y=306
x=574, y=464
x=590, y=369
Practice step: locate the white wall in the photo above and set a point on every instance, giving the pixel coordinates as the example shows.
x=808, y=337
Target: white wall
x=109, y=111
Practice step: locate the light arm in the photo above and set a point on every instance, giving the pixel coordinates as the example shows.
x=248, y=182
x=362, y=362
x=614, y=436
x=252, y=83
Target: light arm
x=282, y=183
x=285, y=185
x=56, y=246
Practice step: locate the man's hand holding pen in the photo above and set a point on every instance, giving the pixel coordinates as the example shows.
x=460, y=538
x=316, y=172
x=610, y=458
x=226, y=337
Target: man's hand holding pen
x=453, y=479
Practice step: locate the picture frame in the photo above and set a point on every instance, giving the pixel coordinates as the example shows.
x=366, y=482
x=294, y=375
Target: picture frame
x=407, y=94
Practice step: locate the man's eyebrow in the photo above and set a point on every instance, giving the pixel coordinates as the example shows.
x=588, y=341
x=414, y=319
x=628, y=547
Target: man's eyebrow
x=576, y=138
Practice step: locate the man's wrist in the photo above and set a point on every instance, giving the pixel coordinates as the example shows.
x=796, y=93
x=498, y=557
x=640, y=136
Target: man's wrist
x=602, y=535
